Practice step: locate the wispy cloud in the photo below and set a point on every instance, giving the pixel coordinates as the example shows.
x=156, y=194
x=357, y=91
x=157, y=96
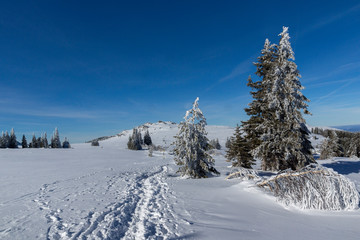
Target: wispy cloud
x=332, y=19
x=322, y=98
x=51, y=112
x=240, y=69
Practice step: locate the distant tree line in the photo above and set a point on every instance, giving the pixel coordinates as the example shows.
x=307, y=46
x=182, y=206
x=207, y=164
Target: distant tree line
x=338, y=143
x=9, y=141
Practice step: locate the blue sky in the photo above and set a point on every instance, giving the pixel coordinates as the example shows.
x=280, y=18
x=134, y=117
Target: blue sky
x=94, y=68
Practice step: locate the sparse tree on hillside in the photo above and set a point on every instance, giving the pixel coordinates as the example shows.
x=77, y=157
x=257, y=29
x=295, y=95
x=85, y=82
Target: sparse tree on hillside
x=191, y=144
x=239, y=151
x=284, y=140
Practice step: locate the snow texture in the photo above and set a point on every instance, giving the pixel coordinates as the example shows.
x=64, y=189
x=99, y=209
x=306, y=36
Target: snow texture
x=314, y=187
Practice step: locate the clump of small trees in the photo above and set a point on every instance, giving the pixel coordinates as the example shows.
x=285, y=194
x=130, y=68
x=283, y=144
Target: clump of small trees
x=136, y=141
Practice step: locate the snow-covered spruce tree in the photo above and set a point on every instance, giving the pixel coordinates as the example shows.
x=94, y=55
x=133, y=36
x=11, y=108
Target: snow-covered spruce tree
x=12, y=139
x=147, y=138
x=56, y=143
x=34, y=142
x=24, y=142
x=6, y=139
x=354, y=146
x=330, y=147
x=239, y=151
x=284, y=140
x=44, y=140
x=191, y=144
x=135, y=140
x=264, y=68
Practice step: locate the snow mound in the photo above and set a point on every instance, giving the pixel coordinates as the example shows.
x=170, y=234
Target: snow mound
x=313, y=187
x=243, y=174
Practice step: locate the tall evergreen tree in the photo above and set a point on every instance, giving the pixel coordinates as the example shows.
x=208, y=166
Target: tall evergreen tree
x=24, y=142
x=239, y=151
x=12, y=139
x=284, y=140
x=34, y=142
x=7, y=139
x=191, y=144
x=264, y=68
x=44, y=140
x=56, y=143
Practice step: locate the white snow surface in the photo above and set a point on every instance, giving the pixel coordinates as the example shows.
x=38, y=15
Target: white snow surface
x=110, y=192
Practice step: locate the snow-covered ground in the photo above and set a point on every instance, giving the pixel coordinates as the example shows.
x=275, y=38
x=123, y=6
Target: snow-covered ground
x=109, y=192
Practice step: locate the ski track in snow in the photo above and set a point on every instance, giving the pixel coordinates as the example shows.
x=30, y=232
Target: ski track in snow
x=140, y=210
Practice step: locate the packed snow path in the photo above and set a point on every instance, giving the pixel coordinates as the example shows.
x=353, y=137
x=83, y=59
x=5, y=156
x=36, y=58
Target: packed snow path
x=139, y=207
x=140, y=212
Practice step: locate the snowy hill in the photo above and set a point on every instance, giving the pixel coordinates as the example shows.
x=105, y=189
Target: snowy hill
x=110, y=192
x=162, y=134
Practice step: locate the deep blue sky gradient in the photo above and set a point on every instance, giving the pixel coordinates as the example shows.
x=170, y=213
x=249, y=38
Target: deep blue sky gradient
x=94, y=68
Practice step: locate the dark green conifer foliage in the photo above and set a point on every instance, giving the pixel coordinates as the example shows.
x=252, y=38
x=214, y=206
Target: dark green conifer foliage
x=147, y=138
x=135, y=140
x=12, y=140
x=24, y=142
x=239, y=151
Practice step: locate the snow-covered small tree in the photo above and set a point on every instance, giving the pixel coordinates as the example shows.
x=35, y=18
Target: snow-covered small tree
x=239, y=151
x=330, y=147
x=191, y=144
x=95, y=143
x=66, y=143
x=24, y=142
x=147, y=138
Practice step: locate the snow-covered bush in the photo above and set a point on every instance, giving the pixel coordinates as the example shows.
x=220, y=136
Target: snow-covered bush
x=314, y=187
x=243, y=174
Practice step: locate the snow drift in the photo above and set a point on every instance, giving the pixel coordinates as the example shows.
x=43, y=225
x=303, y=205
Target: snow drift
x=313, y=187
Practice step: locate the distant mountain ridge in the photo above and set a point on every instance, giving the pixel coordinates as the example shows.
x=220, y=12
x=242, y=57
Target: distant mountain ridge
x=349, y=128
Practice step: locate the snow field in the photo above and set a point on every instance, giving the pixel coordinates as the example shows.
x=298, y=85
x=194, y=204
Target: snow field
x=109, y=192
